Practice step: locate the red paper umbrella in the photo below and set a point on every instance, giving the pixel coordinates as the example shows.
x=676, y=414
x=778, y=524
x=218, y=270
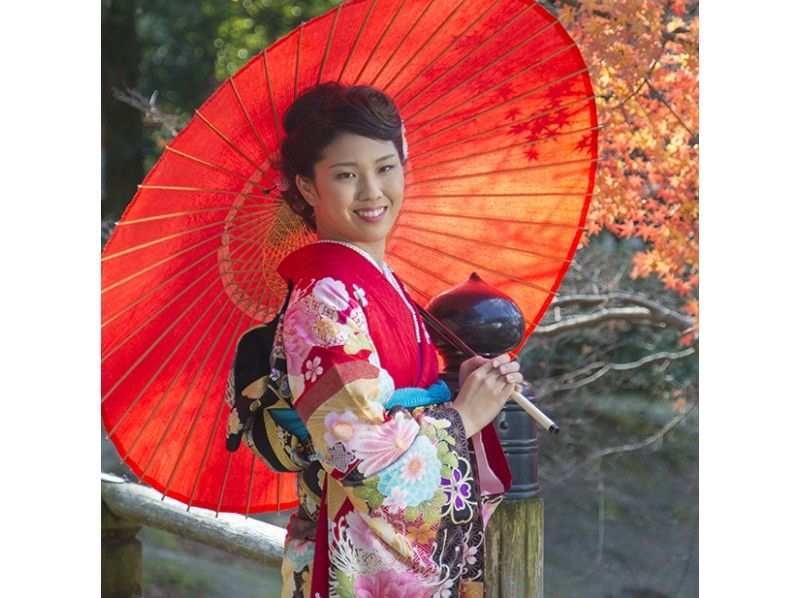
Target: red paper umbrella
x=502, y=133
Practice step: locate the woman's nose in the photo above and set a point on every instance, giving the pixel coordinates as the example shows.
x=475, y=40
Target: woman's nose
x=370, y=189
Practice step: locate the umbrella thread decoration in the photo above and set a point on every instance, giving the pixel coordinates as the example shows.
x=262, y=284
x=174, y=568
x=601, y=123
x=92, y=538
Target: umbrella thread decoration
x=502, y=132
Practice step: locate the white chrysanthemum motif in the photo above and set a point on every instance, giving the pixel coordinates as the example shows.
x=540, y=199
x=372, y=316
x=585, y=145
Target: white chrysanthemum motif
x=381, y=445
x=332, y=293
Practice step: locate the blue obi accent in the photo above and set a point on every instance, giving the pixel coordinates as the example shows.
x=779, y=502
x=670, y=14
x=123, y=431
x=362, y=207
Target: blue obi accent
x=289, y=420
x=410, y=397
x=417, y=397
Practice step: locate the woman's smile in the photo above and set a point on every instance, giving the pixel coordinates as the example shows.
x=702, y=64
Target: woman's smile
x=371, y=214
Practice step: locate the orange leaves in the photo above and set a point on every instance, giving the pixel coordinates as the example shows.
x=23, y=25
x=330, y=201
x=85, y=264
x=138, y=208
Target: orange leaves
x=646, y=83
x=678, y=7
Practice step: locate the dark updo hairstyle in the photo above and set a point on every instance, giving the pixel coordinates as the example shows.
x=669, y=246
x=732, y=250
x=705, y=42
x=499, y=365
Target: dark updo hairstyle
x=317, y=117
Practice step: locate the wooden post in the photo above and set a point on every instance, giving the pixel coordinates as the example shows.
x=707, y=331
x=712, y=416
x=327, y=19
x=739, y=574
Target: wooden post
x=491, y=323
x=514, y=549
x=120, y=556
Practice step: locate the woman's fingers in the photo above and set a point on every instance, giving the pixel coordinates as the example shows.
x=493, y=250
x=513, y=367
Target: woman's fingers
x=500, y=360
x=470, y=365
x=512, y=366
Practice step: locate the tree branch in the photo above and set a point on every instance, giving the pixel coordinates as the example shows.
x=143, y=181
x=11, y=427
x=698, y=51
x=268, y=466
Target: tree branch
x=627, y=448
x=147, y=106
x=596, y=370
x=658, y=312
x=694, y=137
x=606, y=314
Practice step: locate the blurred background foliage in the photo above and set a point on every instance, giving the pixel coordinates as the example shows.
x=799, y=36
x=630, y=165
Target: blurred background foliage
x=615, y=358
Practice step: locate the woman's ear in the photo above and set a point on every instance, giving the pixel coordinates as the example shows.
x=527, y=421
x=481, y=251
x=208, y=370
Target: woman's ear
x=307, y=190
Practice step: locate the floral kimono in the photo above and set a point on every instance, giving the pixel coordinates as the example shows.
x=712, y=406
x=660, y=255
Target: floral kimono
x=394, y=498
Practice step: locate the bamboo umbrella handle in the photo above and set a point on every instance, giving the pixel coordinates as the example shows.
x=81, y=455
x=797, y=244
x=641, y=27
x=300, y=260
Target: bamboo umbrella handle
x=544, y=421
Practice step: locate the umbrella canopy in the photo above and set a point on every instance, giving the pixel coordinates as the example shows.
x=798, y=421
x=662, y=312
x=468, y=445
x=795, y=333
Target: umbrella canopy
x=502, y=133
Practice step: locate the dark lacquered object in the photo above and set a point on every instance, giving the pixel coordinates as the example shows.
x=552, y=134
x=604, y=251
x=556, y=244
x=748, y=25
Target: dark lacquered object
x=490, y=323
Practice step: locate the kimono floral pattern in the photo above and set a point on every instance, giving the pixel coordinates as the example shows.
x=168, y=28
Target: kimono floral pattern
x=404, y=514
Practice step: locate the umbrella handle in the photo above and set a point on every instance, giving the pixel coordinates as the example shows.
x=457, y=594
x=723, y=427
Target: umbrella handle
x=451, y=337
x=532, y=410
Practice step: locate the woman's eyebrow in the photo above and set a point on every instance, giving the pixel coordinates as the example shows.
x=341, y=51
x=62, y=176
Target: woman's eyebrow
x=354, y=164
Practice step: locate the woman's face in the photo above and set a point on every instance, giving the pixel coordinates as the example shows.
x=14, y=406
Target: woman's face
x=357, y=190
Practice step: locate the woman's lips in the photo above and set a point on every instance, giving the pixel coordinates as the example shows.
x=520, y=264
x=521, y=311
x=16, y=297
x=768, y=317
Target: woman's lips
x=371, y=215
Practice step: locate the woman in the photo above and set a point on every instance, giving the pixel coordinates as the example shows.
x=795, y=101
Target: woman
x=401, y=480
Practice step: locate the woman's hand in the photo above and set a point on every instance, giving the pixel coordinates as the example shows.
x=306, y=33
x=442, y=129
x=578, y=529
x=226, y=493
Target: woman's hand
x=485, y=386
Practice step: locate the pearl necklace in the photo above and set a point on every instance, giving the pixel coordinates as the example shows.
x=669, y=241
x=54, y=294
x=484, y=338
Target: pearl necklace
x=388, y=273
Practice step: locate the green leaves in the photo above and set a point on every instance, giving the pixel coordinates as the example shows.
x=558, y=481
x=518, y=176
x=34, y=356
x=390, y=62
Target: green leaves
x=370, y=493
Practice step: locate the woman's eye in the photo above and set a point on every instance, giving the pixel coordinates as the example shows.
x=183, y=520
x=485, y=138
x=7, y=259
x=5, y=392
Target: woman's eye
x=386, y=168
x=344, y=175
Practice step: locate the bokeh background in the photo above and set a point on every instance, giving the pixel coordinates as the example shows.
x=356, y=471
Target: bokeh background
x=615, y=358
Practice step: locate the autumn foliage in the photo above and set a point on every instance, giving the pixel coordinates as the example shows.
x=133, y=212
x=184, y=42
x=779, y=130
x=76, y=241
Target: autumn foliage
x=644, y=57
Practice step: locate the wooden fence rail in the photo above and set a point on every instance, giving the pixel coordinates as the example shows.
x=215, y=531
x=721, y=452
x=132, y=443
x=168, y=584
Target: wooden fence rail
x=514, y=539
x=127, y=507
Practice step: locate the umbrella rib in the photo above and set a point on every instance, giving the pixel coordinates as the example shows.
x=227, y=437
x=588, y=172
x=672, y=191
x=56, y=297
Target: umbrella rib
x=224, y=483
x=402, y=41
x=422, y=269
x=176, y=215
x=160, y=240
x=500, y=105
x=214, y=427
x=432, y=274
x=297, y=62
x=425, y=44
x=259, y=212
x=145, y=354
x=208, y=450
x=462, y=216
x=441, y=115
x=215, y=167
x=253, y=461
x=448, y=48
x=263, y=197
x=183, y=367
x=478, y=48
x=199, y=369
x=478, y=267
x=418, y=291
x=249, y=120
x=233, y=146
x=376, y=45
x=482, y=242
x=503, y=171
x=529, y=119
x=358, y=38
x=269, y=91
x=328, y=45
x=521, y=144
x=164, y=282
x=528, y=194
x=252, y=250
x=163, y=364
x=243, y=239
x=206, y=395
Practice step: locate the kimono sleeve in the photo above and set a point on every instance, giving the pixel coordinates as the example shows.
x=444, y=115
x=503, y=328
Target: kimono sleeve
x=404, y=463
